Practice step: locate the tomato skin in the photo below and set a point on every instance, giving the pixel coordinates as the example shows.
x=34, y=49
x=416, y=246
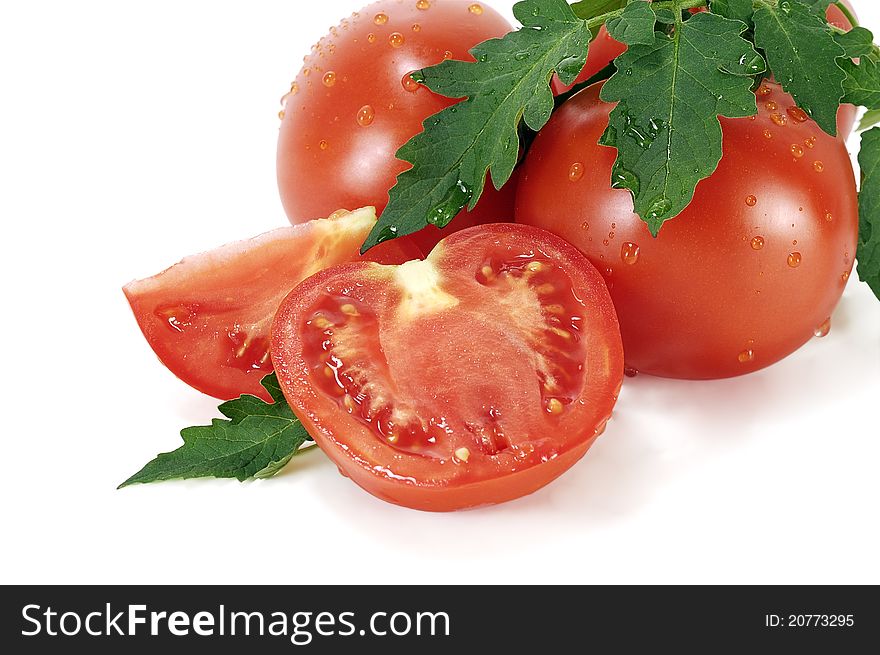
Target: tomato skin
x=440, y=364
x=207, y=318
x=714, y=295
x=337, y=143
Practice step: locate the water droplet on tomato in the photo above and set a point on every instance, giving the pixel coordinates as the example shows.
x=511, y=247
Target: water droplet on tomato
x=794, y=259
x=423, y=5
x=371, y=38
x=845, y=276
x=176, y=317
x=416, y=27
x=746, y=356
x=447, y=54
x=751, y=201
x=380, y=18
x=797, y=114
x=396, y=39
x=757, y=243
x=365, y=116
x=476, y=9
x=778, y=118
x=281, y=115
x=768, y=134
x=323, y=145
x=329, y=78
x=294, y=88
x=810, y=142
x=409, y=84
x=764, y=90
x=823, y=329
x=829, y=216
x=772, y=106
x=797, y=150
x=629, y=253
x=818, y=166
x=605, y=242
x=575, y=171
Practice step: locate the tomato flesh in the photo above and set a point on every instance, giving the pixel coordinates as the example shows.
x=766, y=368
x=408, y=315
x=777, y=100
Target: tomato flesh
x=353, y=105
x=744, y=275
x=473, y=377
x=208, y=317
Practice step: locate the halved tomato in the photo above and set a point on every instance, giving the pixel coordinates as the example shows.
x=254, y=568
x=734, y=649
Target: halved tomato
x=208, y=317
x=473, y=377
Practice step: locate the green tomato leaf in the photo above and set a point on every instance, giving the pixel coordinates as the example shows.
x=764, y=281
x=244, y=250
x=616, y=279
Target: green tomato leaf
x=665, y=16
x=508, y=82
x=802, y=53
x=592, y=8
x=862, y=83
x=858, y=42
x=735, y=9
x=256, y=442
x=670, y=94
x=870, y=119
x=868, y=250
x=635, y=25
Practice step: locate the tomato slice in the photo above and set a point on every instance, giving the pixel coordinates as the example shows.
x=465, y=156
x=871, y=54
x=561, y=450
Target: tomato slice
x=208, y=317
x=473, y=377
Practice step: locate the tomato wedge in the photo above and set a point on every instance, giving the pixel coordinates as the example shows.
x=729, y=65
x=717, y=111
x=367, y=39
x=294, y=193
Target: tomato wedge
x=473, y=377
x=208, y=317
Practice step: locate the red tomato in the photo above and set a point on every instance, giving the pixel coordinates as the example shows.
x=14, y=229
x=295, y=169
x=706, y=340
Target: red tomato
x=745, y=275
x=208, y=317
x=473, y=377
x=353, y=105
x=603, y=50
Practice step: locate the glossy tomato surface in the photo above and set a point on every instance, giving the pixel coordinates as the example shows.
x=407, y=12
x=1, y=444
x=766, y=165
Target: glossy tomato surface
x=473, y=377
x=745, y=275
x=353, y=105
x=208, y=317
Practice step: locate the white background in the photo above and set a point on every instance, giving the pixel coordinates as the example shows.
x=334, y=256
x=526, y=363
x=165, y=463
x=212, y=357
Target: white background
x=135, y=133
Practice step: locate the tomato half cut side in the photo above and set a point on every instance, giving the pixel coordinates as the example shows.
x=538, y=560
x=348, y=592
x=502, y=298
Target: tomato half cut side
x=473, y=377
x=208, y=317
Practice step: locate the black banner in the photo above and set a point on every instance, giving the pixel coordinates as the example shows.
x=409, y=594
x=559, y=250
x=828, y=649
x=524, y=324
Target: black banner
x=437, y=619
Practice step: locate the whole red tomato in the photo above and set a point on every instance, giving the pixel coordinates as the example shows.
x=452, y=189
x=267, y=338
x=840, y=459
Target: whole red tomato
x=353, y=105
x=745, y=275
